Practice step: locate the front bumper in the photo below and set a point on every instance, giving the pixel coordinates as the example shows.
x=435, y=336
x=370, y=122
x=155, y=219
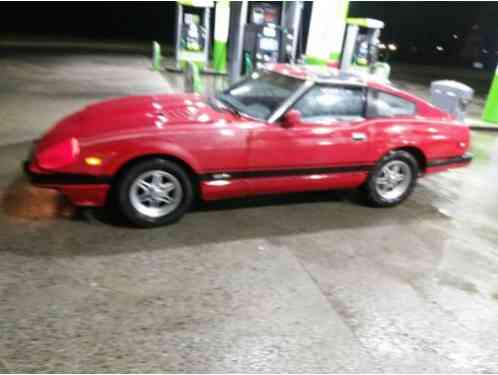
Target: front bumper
x=39, y=178
x=80, y=189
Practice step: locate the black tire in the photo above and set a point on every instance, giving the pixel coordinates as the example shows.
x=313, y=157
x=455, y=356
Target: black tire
x=374, y=198
x=124, y=185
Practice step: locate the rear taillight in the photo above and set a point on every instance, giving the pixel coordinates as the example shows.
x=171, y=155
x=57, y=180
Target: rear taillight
x=59, y=155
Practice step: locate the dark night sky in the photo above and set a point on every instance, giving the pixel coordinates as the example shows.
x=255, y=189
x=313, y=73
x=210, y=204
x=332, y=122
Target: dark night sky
x=409, y=24
x=427, y=25
x=98, y=20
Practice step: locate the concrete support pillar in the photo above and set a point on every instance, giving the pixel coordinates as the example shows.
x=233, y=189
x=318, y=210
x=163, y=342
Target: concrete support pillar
x=179, y=18
x=328, y=20
x=349, y=44
x=238, y=19
x=221, y=24
x=207, y=28
x=292, y=22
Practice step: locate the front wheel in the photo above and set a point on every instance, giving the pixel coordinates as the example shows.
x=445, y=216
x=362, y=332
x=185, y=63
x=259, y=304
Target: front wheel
x=154, y=192
x=392, y=180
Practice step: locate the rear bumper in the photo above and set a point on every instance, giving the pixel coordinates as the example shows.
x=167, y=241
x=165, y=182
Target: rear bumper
x=81, y=190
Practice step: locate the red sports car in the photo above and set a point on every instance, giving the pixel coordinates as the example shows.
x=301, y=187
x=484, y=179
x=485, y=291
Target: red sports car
x=284, y=129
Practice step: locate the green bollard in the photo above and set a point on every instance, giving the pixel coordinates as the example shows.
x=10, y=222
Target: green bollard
x=193, y=81
x=248, y=67
x=156, y=56
x=381, y=70
x=490, y=113
x=198, y=86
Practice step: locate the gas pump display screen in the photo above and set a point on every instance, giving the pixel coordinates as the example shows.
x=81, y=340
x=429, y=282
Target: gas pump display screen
x=192, y=33
x=264, y=13
x=268, y=44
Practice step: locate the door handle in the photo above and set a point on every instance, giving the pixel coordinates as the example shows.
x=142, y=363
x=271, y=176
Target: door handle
x=357, y=137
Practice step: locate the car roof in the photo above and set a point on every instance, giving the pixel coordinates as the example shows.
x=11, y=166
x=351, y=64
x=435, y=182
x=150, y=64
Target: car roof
x=325, y=74
x=317, y=73
x=329, y=75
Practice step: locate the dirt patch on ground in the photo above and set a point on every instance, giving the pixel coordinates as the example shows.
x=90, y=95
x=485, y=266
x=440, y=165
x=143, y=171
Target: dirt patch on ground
x=23, y=200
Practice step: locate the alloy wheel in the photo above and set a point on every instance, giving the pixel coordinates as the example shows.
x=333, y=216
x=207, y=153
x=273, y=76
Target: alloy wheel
x=393, y=180
x=156, y=193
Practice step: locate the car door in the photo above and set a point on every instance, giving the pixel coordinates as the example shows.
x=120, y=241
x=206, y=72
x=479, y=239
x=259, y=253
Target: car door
x=327, y=149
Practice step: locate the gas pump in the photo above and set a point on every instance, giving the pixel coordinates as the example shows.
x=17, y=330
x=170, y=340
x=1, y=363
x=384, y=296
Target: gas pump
x=192, y=33
x=360, y=51
x=364, y=52
x=262, y=32
x=262, y=36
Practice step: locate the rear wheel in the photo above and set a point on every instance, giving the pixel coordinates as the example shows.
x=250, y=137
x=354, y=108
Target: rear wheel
x=154, y=192
x=392, y=180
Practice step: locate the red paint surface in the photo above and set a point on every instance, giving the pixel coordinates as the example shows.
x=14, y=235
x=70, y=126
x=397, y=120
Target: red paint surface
x=186, y=128
x=86, y=195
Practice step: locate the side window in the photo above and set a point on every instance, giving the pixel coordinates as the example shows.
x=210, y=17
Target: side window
x=381, y=104
x=329, y=103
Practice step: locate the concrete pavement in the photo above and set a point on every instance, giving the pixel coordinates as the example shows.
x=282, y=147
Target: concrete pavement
x=39, y=89
x=305, y=282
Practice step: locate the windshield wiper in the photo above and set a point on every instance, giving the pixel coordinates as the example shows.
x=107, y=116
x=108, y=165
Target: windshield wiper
x=214, y=102
x=234, y=110
x=228, y=106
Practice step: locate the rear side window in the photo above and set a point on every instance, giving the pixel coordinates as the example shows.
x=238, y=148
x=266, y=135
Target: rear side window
x=381, y=104
x=326, y=103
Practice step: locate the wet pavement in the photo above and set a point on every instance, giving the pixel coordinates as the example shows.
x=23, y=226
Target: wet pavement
x=308, y=282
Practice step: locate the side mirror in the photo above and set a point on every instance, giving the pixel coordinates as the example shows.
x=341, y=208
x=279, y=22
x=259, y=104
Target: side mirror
x=291, y=118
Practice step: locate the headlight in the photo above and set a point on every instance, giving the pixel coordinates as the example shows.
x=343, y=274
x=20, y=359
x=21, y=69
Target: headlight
x=59, y=155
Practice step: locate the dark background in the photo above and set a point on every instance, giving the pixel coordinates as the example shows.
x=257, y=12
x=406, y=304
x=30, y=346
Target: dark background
x=416, y=27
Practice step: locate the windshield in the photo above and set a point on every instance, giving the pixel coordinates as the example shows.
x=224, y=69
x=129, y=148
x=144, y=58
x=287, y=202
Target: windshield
x=260, y=95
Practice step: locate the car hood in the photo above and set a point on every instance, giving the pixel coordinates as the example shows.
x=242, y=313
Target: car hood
x=134, y=115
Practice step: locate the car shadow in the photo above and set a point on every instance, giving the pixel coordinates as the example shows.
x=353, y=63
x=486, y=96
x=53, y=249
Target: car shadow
x=108, y=215
x=101, y=232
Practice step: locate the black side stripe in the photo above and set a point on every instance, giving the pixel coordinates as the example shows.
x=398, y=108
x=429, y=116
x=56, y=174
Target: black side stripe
x=222, y=175
x=455, y=160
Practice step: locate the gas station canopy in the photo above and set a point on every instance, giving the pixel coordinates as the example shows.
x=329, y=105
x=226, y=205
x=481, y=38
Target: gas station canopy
x=366, y=22
x=197, y=3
